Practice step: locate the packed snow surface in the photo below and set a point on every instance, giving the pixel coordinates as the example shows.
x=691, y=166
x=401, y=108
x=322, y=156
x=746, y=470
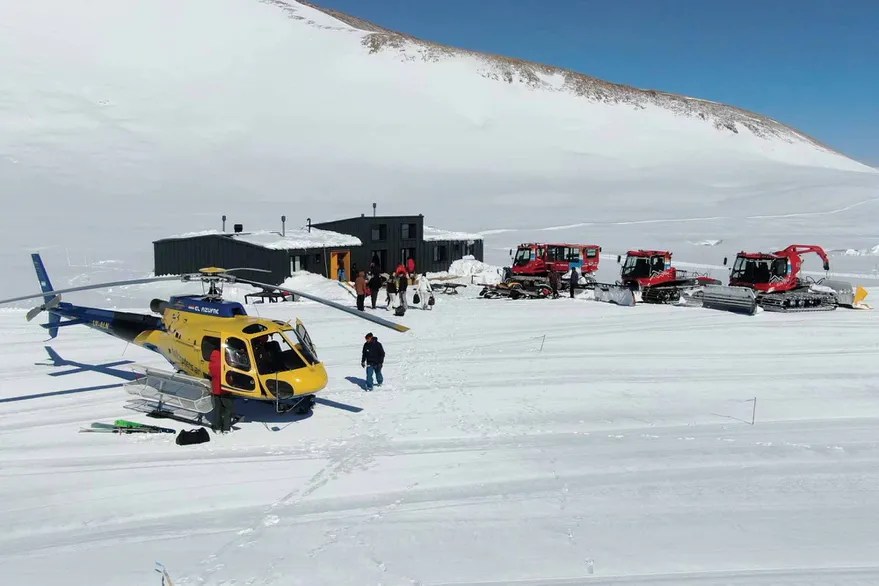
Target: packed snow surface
x=535, y=442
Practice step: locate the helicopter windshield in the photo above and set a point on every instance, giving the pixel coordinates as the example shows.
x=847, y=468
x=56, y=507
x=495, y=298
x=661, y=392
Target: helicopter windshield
x=274, y=353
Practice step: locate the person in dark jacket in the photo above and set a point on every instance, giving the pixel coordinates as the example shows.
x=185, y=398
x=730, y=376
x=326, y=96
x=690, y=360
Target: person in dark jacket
x=574, y=280
x=374, y=284
x=402, y=285
x=373, y=358
x=221, y=399
x=391, y=289
x=554, y=283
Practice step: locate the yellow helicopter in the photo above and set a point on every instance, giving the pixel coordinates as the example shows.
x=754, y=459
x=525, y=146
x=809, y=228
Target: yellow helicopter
x=263, y=359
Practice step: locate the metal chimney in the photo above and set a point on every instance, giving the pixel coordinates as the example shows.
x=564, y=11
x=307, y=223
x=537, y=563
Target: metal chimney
x=309, y=224
x=224, y=222
x=373, y=209
x=283, y=227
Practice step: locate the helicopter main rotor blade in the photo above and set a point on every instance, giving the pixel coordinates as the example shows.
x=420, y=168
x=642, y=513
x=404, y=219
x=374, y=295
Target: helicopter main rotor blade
x=353, y=311
x=88, y=287
x=247, y=269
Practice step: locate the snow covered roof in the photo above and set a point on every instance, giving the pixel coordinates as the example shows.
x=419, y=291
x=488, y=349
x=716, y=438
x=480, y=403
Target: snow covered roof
x=296, y=238
x=431, y=234
x=301, y=238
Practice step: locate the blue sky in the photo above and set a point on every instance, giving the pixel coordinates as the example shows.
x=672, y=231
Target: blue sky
x=813, y=64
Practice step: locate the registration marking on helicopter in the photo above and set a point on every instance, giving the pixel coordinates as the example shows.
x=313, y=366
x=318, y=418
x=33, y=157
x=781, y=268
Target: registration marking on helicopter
x=202, y=309
x=100, y=324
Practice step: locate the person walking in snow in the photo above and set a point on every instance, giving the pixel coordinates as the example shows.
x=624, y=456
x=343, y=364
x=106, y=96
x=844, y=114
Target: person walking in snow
x=402, y=285
x=360, y=289
x=373, y=359
x=574, y=280
x=375, y=285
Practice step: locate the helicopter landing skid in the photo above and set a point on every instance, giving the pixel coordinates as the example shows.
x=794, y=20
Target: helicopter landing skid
x=151, y=409
x=302, y=405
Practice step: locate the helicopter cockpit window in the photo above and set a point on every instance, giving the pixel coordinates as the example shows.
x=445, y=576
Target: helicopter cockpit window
x=236, y=354
x=273, y=353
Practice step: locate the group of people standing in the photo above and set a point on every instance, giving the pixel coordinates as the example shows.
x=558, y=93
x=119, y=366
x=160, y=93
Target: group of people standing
x=395, y=286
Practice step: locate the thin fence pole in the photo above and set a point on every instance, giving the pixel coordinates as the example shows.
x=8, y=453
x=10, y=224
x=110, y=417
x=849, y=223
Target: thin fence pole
x=542, y=342
x=754, y=411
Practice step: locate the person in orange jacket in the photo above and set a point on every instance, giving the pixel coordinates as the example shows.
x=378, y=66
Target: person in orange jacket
x=360, y=289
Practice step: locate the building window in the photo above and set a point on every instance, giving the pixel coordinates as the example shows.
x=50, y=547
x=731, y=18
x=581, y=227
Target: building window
x=408, y=231
x=380, y=259
x=406, y=254
x=379, y=232
x=297, y=263
x=439, y=253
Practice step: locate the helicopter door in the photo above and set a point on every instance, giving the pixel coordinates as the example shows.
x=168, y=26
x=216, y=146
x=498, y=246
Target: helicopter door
x=305, y=342
x=238, y=367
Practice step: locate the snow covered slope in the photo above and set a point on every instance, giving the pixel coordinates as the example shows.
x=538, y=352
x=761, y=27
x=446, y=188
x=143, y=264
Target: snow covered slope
x=556, y=442
x=123, y=121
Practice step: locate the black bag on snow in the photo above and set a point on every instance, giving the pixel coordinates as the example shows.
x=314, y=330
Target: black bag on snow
x=193, y=436
x=400, y=310
x=416, y=299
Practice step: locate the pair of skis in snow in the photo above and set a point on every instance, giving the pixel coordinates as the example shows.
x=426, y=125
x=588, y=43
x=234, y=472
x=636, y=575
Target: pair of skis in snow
x=125, y=426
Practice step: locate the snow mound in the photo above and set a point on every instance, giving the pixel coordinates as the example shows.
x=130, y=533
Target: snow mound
x=472, y=270
x=318, y=285
x=863, y=251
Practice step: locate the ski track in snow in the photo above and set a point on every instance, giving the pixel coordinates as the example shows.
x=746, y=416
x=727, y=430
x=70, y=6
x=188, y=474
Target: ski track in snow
x=508, y=446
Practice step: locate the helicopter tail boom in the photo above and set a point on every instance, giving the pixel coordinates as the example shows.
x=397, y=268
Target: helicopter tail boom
x=46, y=288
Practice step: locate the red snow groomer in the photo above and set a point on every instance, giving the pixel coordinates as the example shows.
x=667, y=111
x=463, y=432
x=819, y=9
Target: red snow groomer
x=772, y=281
x=651, y=273
x=528, y=277
x=532, y=262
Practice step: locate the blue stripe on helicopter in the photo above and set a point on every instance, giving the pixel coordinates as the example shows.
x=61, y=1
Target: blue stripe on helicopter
x=198, y=305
